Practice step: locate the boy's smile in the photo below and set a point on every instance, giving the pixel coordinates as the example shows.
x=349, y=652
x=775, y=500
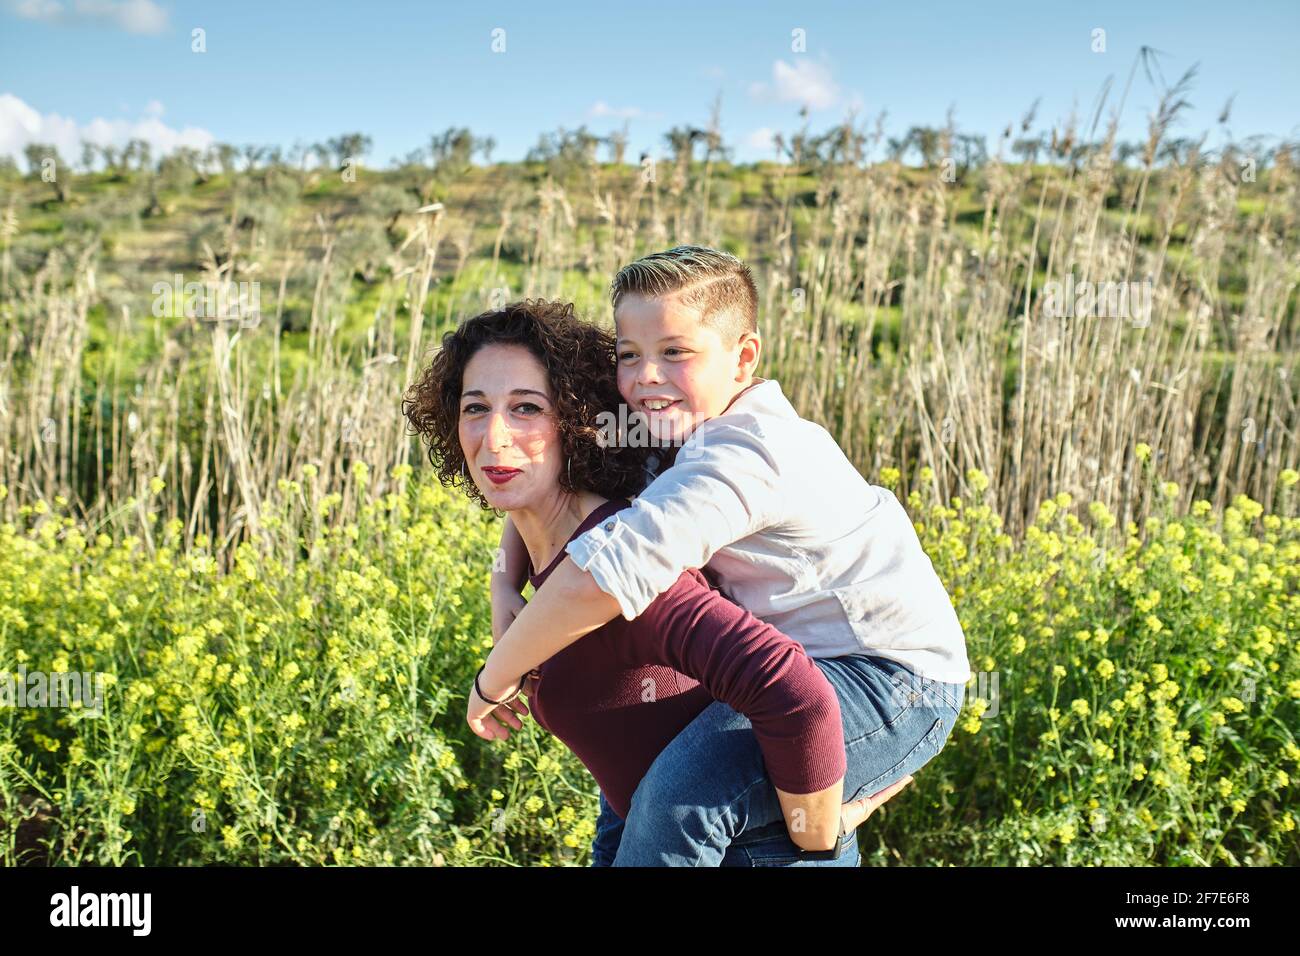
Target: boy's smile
x=675, y=370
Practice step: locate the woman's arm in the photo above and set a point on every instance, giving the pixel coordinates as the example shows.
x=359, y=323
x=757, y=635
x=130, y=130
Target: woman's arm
x=769, y=678
x=509, y=574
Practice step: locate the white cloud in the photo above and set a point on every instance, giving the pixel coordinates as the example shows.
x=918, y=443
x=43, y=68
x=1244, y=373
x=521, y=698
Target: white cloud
x=20, y=125
x=133, y=16
x=601, y=108
x=761, y=138
x=807, y=83
x=37, y=9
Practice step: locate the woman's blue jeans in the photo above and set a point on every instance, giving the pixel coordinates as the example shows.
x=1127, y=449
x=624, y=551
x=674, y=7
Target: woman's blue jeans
x=707, y=799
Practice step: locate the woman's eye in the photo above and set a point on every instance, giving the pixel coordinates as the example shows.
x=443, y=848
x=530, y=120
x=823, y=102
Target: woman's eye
x=671, y=351
x=528, y=408
x=626, y=355
x=473, y=409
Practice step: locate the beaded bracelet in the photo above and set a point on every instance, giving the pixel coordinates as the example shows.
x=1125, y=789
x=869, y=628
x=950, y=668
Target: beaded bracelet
x=487, y=700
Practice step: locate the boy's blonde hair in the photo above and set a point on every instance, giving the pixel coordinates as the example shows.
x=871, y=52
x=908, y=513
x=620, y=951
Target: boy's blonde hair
x=716, y=283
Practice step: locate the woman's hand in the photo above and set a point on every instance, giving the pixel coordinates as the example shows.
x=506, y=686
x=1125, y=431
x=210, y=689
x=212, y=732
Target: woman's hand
x=856, y=813
x=487, y=721
x=491, y=721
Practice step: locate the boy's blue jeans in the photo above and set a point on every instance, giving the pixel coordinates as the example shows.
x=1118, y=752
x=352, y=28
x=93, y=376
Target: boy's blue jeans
x=707, y=799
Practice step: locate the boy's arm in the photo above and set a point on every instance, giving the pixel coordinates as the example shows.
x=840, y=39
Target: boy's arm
x=717, y=492
x=566, y=607
x=770, y=679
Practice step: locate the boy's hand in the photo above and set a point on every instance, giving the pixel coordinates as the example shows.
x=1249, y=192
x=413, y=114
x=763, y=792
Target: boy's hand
x=856, y=813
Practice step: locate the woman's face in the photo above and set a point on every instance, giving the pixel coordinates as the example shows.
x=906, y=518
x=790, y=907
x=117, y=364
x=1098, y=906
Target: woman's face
x=507, y=428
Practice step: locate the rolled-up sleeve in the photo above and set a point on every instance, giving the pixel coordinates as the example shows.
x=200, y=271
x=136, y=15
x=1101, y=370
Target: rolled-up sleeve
x=757, y=670
x=721, y=488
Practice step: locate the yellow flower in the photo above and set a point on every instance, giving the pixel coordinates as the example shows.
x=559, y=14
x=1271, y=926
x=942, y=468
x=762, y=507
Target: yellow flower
x=1066, y=834
x=977, y=480
x=889, y=477
x=1080, y=707
x=1142, y=451
x=1105, y=668
x=1101, y=515
x=1139, y=771
x=1288, y=477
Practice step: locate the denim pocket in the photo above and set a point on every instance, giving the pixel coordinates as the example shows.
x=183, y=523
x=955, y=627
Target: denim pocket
x=917, y=757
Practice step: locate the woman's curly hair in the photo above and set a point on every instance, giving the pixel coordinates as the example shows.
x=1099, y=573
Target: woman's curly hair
x=580, y=366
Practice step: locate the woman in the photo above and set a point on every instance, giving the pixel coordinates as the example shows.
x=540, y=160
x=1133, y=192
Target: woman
x=509, y=405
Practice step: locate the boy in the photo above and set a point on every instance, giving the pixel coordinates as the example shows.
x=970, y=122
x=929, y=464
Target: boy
x=768, y=504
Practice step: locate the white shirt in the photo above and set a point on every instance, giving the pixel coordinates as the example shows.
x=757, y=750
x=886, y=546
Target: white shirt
x=768, y=501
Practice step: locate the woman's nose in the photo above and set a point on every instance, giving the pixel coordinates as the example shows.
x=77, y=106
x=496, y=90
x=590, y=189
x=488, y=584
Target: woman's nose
x=498, y=432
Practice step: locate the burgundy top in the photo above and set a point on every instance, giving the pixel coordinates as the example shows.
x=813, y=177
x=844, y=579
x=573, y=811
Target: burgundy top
x=617, y=696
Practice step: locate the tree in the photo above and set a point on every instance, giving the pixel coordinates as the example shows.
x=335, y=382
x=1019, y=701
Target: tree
x=971, y=151
x=253, y=154
x=88, y=152
x=1027, y=148
x=617, y=143
x=452, y=150
x=565, y=150
x=927, y=141
x=43, y=160
x=348, y=146
x=139, y=152
x=681, y=143
x=223, y=155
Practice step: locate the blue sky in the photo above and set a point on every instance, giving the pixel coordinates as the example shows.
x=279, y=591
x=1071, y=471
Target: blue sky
x=283, y=70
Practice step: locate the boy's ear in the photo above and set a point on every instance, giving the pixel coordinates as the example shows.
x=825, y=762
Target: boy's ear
x=751, y=347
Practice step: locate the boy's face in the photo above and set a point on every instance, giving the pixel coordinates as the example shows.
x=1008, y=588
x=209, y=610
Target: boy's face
x=674, y=370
